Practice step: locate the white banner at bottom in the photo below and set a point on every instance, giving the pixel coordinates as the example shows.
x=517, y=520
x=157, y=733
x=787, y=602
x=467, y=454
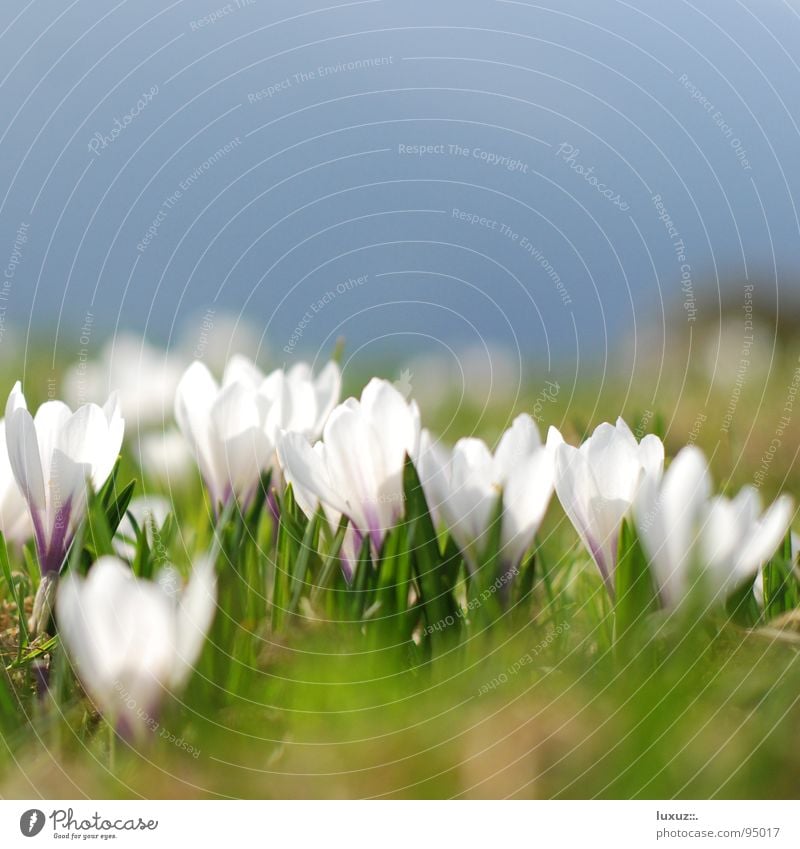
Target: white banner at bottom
x=401, y=824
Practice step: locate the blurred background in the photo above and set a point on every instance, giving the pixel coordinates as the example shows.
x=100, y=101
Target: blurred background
x=578, y=208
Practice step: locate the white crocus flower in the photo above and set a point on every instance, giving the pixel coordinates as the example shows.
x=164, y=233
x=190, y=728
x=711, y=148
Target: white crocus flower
x=225, y=427
x=131, y=640
x=165, y=458
x=357, y=467
x=598, y=482
x=15, y=519
x=299, y=402
x=463, y=486
x=143, y=375
x=52, y=456
x=692, y=538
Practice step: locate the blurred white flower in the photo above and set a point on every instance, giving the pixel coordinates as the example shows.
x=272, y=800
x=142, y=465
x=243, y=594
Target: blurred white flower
x=164, y=457
x=299, y=402
x=693, y=538
x=598, y=482
x=226, y=429
x=131, y=640
x=149, y=512
x=52, y=456
x=357, y=468
x=144, y=376
x=15, y=520
x=214, y=336
x=462, y=487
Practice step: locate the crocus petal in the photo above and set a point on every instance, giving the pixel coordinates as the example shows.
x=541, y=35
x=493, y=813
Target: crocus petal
x=84, y=438
x=23, y=450
x=612, y=455
x=517, y=443
x=328, y=387
x=651, y=455
x=767, y=534
x=240, y=369
x=667, y=517
x=434, y=473
x=49, y=420
x=305, y=468
x=194, y=398
x=575, y=486
x=526, y=495
x=15, y=521
x=355, y=467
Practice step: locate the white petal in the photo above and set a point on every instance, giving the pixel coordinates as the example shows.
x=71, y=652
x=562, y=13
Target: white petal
x=392, y=417
x=305, y=469
x=194, y=397
x=328, y=387
x=517, y=444
x=15, y=521
x=574, y=486
x=525, y=498
x=433, y=469
x=49, y=420
x=765, y=536
x=613, y=458
x=472, y=464
x=668, y=519
x=356, y=467
x=240, y=369
x=554, y=439
x=651, y=455
x=244, y=457
x=84, y=437
x=23, y=450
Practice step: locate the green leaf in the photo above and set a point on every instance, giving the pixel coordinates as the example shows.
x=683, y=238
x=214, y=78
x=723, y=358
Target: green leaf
x=331, y=565
x=742, y=606
x=142, y=561
x=291, y=533
x=99, y=536
x=119, y=506
x=300, y=567
x=360, y=593
x=485, y=594
x=9, y=710
x=781, y=587
x=635, y=592
x=35, y=651
x=436, y=590
x=106, y=493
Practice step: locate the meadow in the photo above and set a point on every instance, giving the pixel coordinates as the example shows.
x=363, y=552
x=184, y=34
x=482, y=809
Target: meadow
x=398, y=657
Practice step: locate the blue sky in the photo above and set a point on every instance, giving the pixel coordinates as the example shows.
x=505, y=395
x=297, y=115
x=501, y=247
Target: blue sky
x=545, y=178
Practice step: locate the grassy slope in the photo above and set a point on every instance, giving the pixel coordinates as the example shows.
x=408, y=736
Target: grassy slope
x=711, y=711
